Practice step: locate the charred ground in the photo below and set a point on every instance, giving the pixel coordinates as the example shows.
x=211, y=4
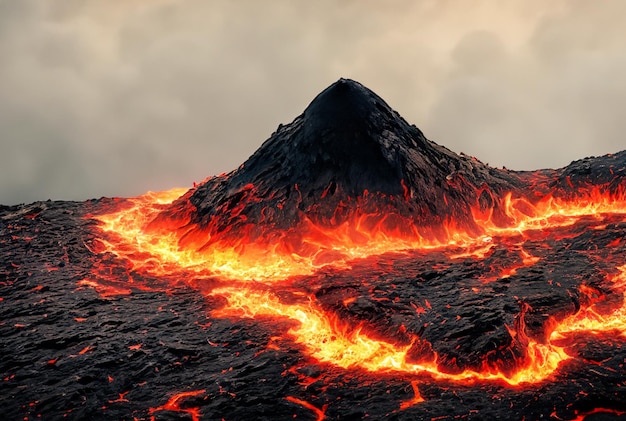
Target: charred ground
x=87, y=333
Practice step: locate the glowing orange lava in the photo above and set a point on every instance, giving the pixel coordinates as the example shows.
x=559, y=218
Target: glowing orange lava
x=318, y=412
x=320, y=334
x=159, y=251
x=174, y=405
x=594, y=320
x=417, y=398
x=325, y=340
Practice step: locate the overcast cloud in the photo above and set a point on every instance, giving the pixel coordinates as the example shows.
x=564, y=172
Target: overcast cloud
x=117, y=97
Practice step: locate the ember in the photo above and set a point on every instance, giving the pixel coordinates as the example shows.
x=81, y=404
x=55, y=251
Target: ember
x=349, y=268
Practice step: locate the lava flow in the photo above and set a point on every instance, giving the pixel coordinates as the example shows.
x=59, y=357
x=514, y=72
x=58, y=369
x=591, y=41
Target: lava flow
x=354, y=269
x=263, y=257
x=162, y=256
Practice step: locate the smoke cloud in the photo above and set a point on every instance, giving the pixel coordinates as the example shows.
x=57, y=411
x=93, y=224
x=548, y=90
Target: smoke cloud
x=117, y=97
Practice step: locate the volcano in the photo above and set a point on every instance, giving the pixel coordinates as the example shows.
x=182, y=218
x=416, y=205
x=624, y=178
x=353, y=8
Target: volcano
x=349, y=269
x=349, y=157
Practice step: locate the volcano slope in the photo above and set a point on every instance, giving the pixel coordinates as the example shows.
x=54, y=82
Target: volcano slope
x=349, y=269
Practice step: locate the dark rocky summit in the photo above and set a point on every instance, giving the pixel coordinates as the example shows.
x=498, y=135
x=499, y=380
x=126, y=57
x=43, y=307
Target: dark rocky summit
x=348, y=153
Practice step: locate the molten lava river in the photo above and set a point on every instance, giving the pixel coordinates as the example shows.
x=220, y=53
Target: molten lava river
x=512, y=310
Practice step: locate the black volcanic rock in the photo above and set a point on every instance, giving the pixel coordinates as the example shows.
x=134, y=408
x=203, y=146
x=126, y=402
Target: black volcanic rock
x=607, y=172
x=349, y=154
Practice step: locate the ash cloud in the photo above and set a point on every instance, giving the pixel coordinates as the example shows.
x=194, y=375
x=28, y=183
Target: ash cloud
x=555, y=98
x=119, y=97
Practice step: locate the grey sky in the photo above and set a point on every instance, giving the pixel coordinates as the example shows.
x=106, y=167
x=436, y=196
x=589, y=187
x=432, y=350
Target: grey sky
x=117, y=97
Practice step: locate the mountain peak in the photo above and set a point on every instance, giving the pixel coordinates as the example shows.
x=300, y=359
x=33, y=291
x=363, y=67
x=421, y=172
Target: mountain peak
x=345, y=103
x=347, y=136
x=347, y=155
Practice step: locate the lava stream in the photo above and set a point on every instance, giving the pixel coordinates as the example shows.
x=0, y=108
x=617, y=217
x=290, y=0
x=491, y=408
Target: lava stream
x=161, y=252
x=327, y=342
x=125, y=235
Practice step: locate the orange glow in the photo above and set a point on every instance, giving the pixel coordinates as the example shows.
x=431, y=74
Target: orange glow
x=325, y=339
x=255, y=267
x=158, y=251
x=585, y=415
x=174, y=405
x=85, y=350
x=318, y=412
x=417, y=398
x=594, y=320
